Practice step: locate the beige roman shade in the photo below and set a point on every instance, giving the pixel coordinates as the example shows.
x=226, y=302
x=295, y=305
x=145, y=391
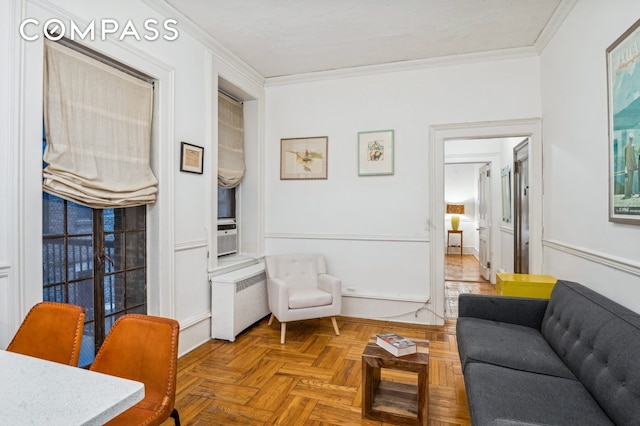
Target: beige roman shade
x=98, y=125
x=230, y=142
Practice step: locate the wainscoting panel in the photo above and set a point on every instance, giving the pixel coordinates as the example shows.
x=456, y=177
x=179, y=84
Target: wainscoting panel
x=381, y=277
x=613, y=277
x=6, y=315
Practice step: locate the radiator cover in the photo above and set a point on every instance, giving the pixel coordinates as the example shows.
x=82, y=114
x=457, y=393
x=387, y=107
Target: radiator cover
x=238, y=300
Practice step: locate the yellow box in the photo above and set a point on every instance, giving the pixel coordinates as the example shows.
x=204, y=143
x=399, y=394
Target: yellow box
x=525, y=285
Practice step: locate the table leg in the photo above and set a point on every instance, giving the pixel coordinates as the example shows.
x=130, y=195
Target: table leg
x=370, y=382
x=423, y=397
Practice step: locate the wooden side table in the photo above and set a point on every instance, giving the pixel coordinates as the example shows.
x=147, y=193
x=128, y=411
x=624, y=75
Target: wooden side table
x=391, y=402
x=451, y=231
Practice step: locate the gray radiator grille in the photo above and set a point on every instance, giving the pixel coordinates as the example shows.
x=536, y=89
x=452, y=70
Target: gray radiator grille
x=248, y=282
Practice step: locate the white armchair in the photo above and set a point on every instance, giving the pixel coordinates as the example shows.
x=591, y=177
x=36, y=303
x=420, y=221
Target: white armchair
x=299, y=288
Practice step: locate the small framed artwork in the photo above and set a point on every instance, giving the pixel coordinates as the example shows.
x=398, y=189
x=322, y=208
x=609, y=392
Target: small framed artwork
x=623, y=80
x=303, y=158
x=375, y=152
x=191, y=157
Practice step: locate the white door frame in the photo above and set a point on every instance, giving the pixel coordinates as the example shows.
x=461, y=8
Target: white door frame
x=438, y=134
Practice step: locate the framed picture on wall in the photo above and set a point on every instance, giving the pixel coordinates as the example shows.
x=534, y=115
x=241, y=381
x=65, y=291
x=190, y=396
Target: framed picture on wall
x=623, y=84
x=191, y=157
x=375, y=152
x=303, y=158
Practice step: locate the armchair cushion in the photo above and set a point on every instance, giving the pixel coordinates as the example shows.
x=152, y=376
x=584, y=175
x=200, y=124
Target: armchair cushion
x=308, y=297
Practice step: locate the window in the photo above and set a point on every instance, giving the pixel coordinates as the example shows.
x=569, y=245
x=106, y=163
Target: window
x=95, y=258
x=97, y=181
x=231, y=170
x=226, y=203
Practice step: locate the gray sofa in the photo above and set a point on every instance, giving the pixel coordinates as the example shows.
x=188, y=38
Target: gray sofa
x=570, y=360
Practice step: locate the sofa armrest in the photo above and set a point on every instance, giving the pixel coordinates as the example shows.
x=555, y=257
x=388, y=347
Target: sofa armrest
x=514, y=310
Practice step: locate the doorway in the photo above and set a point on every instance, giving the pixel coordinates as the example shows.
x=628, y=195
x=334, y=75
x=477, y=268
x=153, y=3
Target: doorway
x=467, y=219
x=440, y=134
x=467, y=193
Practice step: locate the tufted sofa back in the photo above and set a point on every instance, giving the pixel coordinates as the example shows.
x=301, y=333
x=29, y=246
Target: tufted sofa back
x=599, y=340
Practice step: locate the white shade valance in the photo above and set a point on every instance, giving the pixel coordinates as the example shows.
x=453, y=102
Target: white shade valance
x=230, y=142
x=98, y=129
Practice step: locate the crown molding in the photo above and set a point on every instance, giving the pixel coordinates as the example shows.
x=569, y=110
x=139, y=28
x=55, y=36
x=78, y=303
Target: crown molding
x=231, y=59
x=418, y=64
x=554, y=23
x=221, y=52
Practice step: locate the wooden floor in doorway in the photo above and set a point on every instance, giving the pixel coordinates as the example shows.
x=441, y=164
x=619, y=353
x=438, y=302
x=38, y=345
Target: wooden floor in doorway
x=462, y=275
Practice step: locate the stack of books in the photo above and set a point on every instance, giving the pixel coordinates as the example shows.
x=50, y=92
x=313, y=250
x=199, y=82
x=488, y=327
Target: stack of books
x=396, y=344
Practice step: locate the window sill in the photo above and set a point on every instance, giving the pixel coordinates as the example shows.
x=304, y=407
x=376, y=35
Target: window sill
x=234, y=262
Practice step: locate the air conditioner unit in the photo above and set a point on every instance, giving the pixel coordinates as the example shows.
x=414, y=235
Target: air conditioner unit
x=227, y=238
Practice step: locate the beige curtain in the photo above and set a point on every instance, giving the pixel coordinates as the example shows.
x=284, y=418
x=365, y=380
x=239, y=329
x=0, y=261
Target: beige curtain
x=230, y=142
x=98, y=124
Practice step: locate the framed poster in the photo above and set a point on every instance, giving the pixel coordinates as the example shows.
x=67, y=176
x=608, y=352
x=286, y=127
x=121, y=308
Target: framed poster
x=375, y=152
x=303, y=158
x=623, y=92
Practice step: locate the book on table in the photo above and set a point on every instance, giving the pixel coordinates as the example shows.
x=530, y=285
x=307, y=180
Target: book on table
x=396, y=344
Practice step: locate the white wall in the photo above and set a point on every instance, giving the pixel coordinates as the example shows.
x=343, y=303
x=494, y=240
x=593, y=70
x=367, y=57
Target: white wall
x=580, y=243
x=180, y=222
x=388, y=213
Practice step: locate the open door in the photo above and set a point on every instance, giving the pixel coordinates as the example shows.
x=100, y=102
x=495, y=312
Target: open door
x=484, y=220
x=521, y=208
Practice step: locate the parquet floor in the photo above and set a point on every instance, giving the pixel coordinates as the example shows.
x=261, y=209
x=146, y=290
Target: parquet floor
x=314, y=378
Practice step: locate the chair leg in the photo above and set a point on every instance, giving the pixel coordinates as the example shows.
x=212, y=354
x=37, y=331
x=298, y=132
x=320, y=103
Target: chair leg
x=335, y=326
x=283, y=330
x=176, y=417
x=271, y=319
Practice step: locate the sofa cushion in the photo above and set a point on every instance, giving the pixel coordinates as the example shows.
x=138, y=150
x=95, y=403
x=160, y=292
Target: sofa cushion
x=503, y=396
x=507, y=345
x=599, y=340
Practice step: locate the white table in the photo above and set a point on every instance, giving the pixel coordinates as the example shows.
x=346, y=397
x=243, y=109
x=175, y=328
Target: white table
x=39, y=392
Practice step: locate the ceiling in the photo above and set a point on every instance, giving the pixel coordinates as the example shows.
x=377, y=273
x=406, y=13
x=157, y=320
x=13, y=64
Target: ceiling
x=289, y=37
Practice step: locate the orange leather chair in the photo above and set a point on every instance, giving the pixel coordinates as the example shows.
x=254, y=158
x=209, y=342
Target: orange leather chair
x=51, y=331
x=143, y=348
